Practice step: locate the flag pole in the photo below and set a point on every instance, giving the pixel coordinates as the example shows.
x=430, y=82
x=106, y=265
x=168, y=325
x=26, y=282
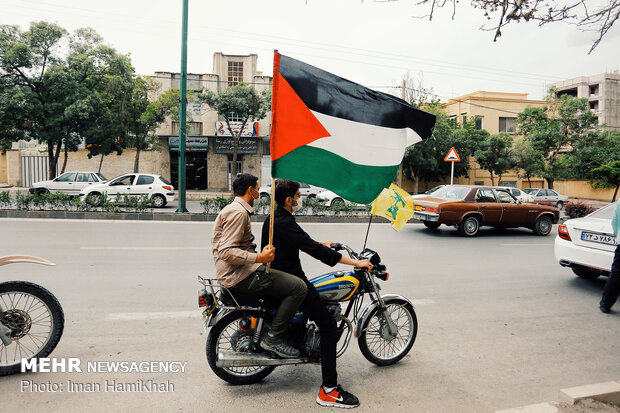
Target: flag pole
x=367, y=231
x=273, y=195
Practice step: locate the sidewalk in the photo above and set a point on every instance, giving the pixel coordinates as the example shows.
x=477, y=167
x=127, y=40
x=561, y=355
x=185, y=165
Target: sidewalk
x=191, y=195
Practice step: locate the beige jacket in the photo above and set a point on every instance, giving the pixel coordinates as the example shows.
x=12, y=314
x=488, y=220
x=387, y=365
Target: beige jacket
x=234, y=251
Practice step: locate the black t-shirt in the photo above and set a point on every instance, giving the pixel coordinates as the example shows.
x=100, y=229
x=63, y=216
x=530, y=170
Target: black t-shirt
x=289, y=239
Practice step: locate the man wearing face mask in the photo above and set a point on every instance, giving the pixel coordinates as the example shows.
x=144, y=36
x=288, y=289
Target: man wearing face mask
x=289, y=239
x=239, y=268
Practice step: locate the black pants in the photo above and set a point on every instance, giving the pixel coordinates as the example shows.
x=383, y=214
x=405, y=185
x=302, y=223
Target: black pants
x=314, y=308
x=612, y=286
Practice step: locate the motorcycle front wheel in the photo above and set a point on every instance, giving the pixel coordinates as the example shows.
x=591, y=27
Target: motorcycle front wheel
x=35, y=319
x=377, y=344
x=234, y=333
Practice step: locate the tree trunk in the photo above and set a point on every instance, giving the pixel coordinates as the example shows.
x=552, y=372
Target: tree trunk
x=136, y=163
x=233, y=169
x=416, y=181
x=64, y=163
x=50, y=158
x=100, y=162
x=56, y=156
x=499, y=179
x=529, y=181
x=492, y=178
x=549, y=182
x=615, y=193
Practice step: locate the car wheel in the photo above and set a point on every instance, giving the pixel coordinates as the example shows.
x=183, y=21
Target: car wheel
x=311, y=196
x=158, y=200
x=585, y=273
x=94, y=199
x=337, y=203
x=469, y=226
x=264, y=196
x=431, y=225
x=560, y=204
x=542, y=226
x=42, y=191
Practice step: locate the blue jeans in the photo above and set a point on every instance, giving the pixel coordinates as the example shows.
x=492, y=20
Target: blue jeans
x=612, y=287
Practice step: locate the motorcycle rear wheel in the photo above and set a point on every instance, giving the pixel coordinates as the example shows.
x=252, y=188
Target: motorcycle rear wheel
x=375, y=342
x=227, y=335
x=36, y=319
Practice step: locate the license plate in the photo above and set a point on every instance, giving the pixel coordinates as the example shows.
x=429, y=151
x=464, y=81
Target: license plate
x=418, y=208
x=420, y=217
x=600, y=238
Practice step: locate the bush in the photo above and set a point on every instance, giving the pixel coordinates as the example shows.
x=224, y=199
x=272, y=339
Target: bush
x=63, y=202
x=578, y=209
x=215, y=205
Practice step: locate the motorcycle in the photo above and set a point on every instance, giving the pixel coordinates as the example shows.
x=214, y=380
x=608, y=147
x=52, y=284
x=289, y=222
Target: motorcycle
x=31, y=319
x=386, y=328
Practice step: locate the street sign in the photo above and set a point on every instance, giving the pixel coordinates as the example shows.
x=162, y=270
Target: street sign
x=452, y=156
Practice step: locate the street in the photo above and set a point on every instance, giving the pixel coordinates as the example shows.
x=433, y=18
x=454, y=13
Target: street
x=501, y=324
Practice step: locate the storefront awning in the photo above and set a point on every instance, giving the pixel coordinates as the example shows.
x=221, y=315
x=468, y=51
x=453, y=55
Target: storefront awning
x=192, y=143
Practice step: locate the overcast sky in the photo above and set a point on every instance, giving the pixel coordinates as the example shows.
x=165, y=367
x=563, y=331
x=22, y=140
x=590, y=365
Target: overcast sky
x=372, y=43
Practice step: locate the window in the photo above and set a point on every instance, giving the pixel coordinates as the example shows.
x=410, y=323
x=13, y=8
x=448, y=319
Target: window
x=66, y=177
x=235, y=73
x=485, y=195
x=507, y=125
x=83, y=177
x=593, y=90
x=126, y=180
x=594, y=106
x=233, y=117
x=463, y=118
x=515, y=192
x=504, y=197
x=191, y=128
x=103, y=178
x=145, y=180
x=452, y=120
x=266, y=148
x=478, y=123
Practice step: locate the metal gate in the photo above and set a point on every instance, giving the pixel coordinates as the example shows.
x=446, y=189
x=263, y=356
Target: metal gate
x=34, y=168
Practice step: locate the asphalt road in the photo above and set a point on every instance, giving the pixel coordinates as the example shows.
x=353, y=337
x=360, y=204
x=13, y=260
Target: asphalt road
x=501, y=324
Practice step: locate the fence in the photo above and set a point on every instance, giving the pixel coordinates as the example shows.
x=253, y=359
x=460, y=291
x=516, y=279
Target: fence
x=34, y=168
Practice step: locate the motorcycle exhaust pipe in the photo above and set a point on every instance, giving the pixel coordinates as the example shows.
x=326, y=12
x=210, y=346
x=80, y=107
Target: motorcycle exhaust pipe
x=234, y=359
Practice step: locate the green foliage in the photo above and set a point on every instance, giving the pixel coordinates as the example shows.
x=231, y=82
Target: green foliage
x=495, y=155
x=5, y=199
x=590, y=152
x=215, y=205
x=529, y=161
x=607, y=176
x=63, y=202
x=554, y=128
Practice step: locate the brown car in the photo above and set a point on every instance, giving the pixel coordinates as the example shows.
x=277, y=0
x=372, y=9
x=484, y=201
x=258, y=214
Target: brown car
x=469, y=207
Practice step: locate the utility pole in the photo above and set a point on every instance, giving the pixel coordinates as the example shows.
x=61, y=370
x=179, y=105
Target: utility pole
x=182, y=113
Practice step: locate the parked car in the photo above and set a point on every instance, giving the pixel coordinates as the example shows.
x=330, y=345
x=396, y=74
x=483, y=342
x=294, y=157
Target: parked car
x=468, y=207
x=547, y=195
x=70, y=183
x=517, y=193
x=154, y=186
x=427, y=193
x=305, y=190
x=587, y=245
x=332, y=200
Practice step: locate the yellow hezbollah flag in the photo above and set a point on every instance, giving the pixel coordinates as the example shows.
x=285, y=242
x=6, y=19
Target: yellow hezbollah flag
x=394, y=204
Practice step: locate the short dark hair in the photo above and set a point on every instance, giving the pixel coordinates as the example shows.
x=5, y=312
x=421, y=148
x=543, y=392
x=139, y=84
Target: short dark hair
x=242, y=182
x=285, y=189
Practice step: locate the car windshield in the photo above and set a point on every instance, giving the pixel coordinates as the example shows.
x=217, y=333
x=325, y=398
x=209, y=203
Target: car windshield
x=103, y=178
x=607, y=212
x=453, y=192
x=430, y=191
x=530, y=190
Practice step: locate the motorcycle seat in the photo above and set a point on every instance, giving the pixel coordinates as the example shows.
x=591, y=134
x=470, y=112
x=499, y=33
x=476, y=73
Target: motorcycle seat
x=250, y=300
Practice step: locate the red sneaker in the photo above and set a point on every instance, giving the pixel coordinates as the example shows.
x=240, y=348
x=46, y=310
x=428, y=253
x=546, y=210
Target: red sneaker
x=337, y=398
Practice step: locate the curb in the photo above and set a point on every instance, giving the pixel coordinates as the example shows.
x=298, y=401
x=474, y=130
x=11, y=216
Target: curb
x=171, y=216
x=607, y=392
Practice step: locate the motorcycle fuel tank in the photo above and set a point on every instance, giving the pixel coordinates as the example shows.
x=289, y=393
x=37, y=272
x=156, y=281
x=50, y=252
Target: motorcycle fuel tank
x=337, y=285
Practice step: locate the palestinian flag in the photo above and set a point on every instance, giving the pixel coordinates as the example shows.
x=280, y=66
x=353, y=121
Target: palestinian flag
x=336, y=134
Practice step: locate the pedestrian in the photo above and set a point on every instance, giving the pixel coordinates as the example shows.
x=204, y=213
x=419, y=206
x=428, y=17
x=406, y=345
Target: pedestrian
x=612, y=286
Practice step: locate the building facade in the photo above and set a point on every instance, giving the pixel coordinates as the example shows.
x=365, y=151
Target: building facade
x=602, y=92
x=495, y=112
x=209, y=143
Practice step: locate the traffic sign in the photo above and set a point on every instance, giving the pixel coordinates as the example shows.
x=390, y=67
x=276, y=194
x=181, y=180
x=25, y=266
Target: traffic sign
x=452, y=156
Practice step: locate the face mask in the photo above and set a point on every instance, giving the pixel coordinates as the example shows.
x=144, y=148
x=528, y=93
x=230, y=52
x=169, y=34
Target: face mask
x=299, y=204
x=255, y=194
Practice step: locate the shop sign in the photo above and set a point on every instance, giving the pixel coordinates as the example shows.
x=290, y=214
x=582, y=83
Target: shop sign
x=192, y=143
x=247, y=146
x=250, y=128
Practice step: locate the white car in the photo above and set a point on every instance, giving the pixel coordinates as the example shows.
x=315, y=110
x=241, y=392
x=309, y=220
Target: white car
x=587, y=244
x=427, y=193
x=305, y=190
x=70, y=183
x=519, y=194
x=547, y=195
x=331, y=199
x=135, y=184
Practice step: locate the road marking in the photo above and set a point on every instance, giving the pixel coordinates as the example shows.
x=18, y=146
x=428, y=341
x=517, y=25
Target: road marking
x=520, y=245
x=146, y=248
x=155, y=315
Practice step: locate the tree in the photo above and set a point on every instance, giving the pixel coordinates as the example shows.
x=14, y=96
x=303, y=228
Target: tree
x=495, y=155
x=607, y=176
x=528, y=160
x=242, y=101
x=52, y=97
x=589, y=152
x=552, y=129
x=597, y=18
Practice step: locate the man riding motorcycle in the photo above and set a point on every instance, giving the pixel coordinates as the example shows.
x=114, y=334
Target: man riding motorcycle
x=288, y=239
